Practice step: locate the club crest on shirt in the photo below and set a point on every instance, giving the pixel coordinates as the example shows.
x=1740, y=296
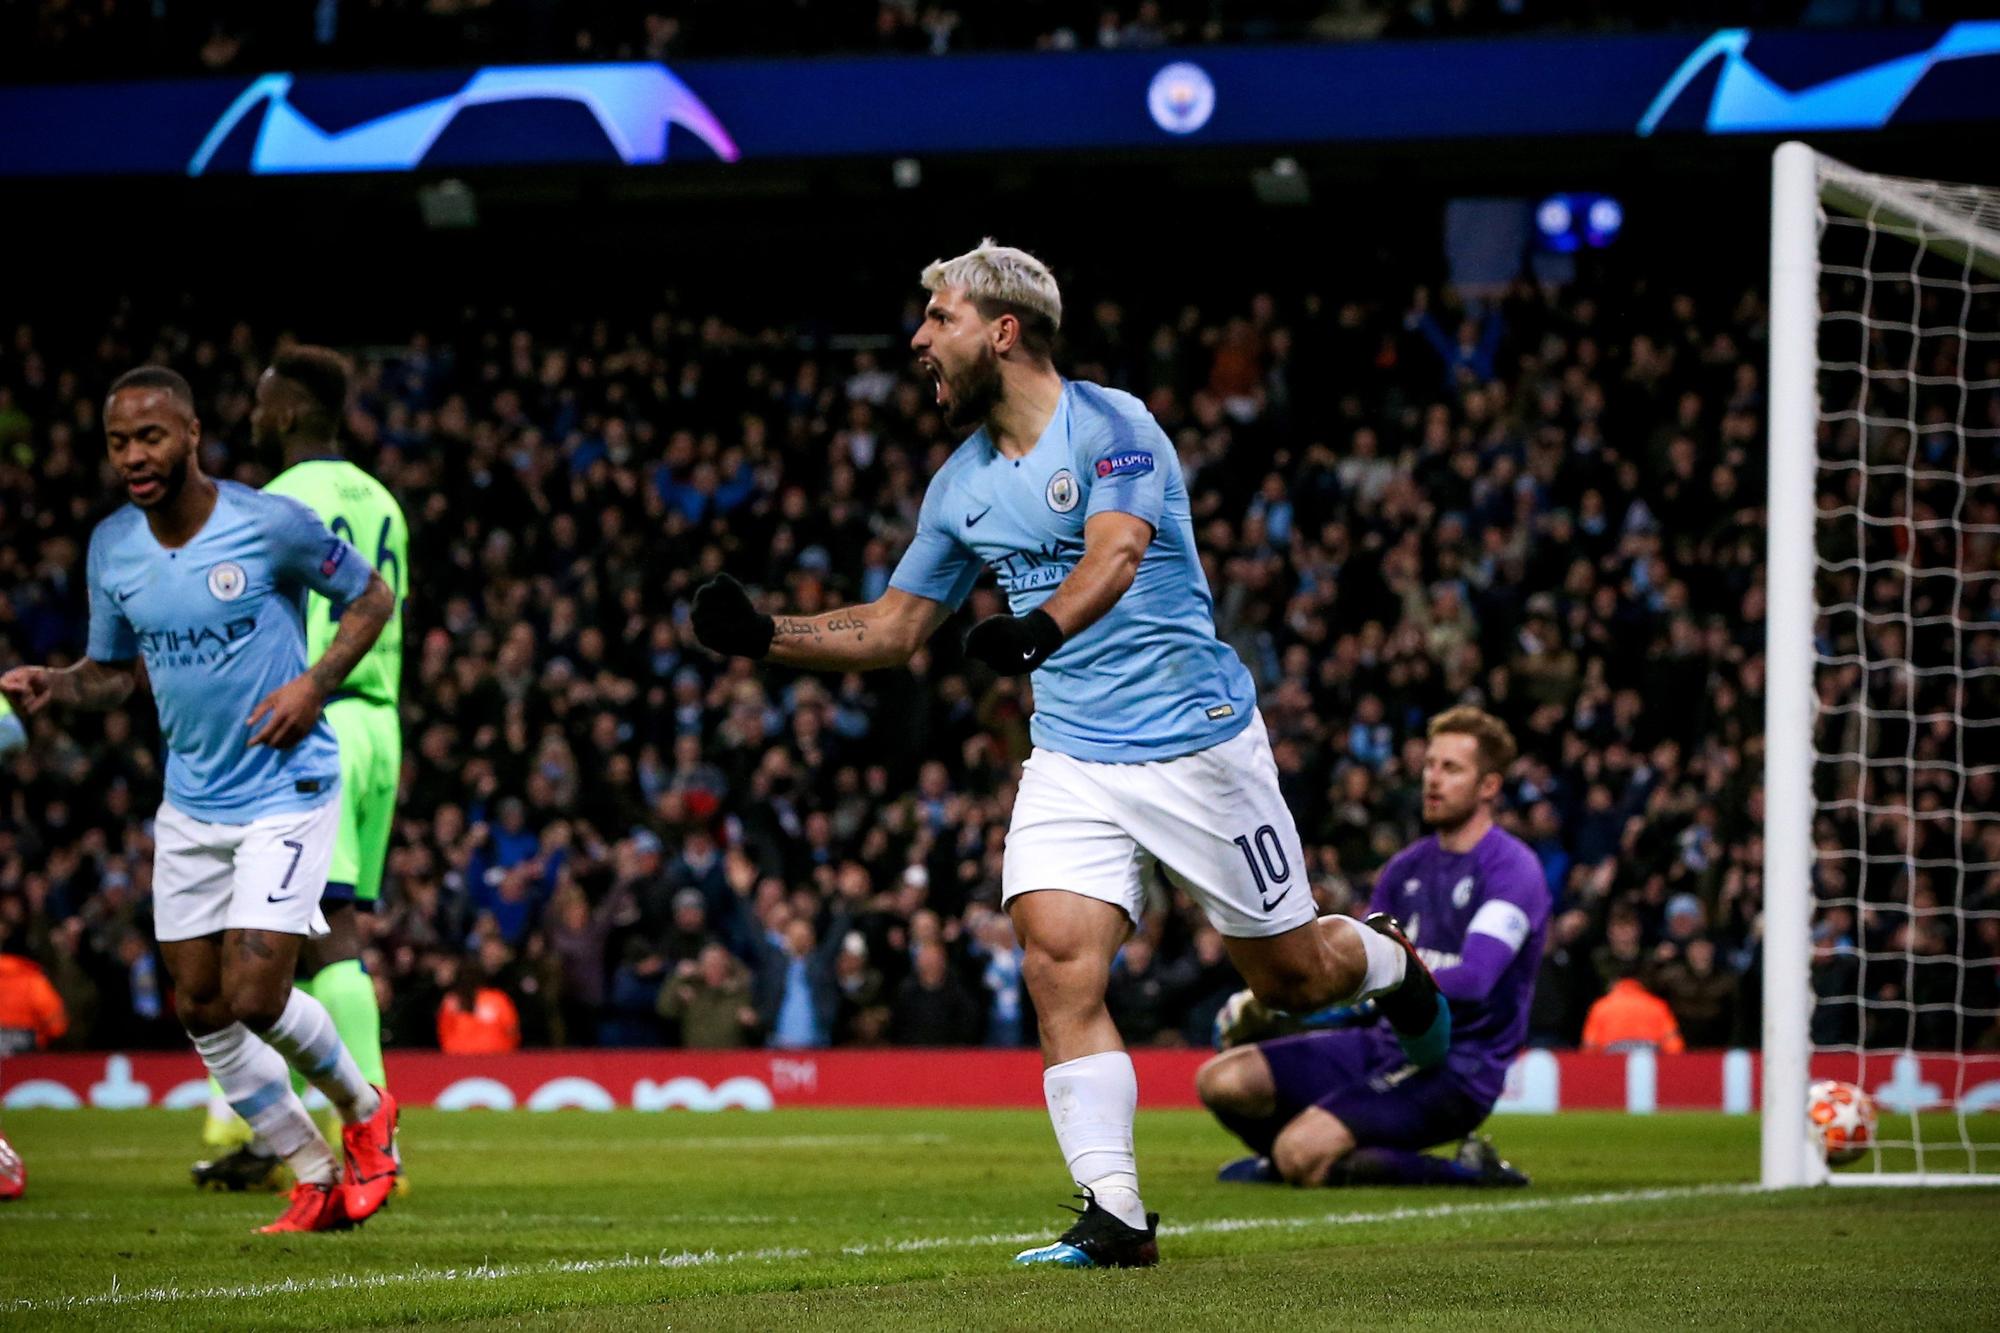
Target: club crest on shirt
x=227, y=581
x=1063, y=493
x=1412, y=884
x=1461, y=892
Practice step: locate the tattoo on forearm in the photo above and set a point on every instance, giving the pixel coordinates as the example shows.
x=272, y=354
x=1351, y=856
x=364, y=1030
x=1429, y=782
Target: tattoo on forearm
x=817, y=628
x=360, y=625
x=94, y=687
x=330, y=671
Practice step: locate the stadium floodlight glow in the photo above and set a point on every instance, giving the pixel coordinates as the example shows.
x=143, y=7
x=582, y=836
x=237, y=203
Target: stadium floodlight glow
x=632, y=103
x=1603, y=220
x=1567, y=223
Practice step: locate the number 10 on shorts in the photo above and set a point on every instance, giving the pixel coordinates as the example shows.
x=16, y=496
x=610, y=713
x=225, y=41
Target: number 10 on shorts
x=1265, y=855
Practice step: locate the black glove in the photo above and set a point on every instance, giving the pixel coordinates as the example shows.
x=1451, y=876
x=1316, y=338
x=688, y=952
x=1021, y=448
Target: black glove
x=1014, y=646
x=727, y=623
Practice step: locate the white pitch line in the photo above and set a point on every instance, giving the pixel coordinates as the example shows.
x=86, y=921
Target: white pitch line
x=423, y=1275
x=1224, y=1225
x=746, y=1141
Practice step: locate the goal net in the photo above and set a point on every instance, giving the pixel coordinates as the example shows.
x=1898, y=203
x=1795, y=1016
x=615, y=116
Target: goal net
x=1882, y=760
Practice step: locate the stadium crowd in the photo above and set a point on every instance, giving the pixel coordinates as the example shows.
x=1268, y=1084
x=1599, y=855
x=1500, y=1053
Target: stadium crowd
x=1548, y=503
x=97, y=38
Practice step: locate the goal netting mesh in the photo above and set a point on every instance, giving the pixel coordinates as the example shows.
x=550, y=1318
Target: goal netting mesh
x=1904, y=961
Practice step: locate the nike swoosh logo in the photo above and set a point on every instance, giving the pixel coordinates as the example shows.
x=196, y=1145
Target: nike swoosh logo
x=125, y=596
x=274, y=898
x=971, y=519
x=1275, y=901
x=1027, y=654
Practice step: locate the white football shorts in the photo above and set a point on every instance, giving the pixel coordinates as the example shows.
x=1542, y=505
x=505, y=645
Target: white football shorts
x=1215, y=819
x=264, y=875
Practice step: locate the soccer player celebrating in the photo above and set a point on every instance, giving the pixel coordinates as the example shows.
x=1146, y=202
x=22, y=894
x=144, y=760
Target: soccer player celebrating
x=1147, y=742
x=206, y=580
x=301, y=401
x=1345, y=1107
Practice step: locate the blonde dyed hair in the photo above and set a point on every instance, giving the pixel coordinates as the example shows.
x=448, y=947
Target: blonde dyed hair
x=1001, y=280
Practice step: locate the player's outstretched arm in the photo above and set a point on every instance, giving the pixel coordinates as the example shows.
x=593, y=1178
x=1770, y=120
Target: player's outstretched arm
x=881, y=633
x=1113, y=545
x=289, y=712
x=90, y=685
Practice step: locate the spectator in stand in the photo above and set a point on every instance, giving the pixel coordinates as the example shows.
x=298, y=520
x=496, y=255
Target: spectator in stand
x=797, y=996
x=632, y=1000
x=1544, y=836
x=1566, y=986
x=998, y=954
x=1836, y=981
x=31, y=1013
x=707, y=1000
x=576, y=937
x=1469, y=357
x=687, y=933
x=1686, y=921
x=863, y=1019
x=1701, y=993
x=1630, y=1017
x=1621, y=954
x=932, y=1007
x=74, y=984
x=1138, y=995
x=477, y=1019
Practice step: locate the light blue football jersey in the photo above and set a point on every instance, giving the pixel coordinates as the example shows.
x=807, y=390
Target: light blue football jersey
x=1149, y=680
x=220, y=624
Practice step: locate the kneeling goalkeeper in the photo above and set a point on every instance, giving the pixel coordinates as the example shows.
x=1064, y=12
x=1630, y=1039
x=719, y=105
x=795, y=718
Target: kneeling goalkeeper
x=1343, y=1106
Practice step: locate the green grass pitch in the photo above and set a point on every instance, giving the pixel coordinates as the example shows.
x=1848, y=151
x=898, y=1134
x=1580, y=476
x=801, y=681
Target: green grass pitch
x=908, y=1220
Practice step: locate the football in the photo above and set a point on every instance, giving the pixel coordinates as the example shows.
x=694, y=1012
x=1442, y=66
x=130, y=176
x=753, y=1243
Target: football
x=1841, y=1118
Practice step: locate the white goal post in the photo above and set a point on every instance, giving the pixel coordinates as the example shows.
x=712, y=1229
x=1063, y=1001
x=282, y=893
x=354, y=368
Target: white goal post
x=1883, y=400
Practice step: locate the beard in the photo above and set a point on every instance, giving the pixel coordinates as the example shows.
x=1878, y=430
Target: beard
x=1450, y=816
x=171, y=483
x=975, y=393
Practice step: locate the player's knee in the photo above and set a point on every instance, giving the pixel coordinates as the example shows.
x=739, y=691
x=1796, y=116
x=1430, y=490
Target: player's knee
x=256, y=1003
x=1294, y=990
x=1214, y=1084
x=202, y=1014
x=1053, y=979
x=1236, y=1082
x=1304, y=1152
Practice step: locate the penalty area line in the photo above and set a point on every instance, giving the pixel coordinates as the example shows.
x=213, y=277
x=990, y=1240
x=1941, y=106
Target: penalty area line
x=430, y=1275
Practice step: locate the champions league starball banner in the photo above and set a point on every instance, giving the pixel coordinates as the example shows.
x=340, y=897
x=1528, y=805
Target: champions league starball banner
x=1731, y=81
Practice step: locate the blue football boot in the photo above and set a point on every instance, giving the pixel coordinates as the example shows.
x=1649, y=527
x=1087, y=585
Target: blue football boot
x=1097, y=1239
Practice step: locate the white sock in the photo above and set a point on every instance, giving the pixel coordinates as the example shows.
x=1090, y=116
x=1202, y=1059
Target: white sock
x=1386, y=960
x=304, y=1035
x=1092, y=1101
x=259, y=1088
